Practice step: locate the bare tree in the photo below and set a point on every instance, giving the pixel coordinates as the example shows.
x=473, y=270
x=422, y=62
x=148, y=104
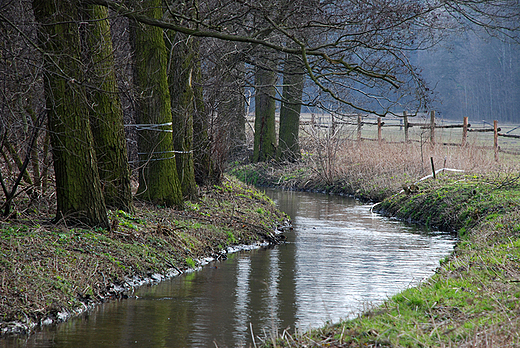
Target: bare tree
x=22, y=129
x=158, y=179
x=78, y=187
x=265, y=106
x=293, y=83
x=106, y=114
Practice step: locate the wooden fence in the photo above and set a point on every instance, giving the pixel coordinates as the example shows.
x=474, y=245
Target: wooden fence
x=429, y=126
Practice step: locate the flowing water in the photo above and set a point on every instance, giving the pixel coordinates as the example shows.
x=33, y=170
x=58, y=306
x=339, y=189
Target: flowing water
x=339, y=258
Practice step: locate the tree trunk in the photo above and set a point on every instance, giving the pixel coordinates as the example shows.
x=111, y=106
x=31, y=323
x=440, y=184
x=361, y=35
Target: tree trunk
x=265, y=107
x=231, y=107
x=184, y=59
x=226, y=95
x=106, y=116
x=205, y=171
x=158, y=180
x=293, y=79
x=78, y=187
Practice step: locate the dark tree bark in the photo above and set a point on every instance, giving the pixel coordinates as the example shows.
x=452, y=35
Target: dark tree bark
x=180, y=77
x=106, y=116
x=78, y=187
x=205, y=171
x=226, y=79
x=293, y=81
x=265, y=107
x=158, y=179
x=183, y=64
x=231, y=104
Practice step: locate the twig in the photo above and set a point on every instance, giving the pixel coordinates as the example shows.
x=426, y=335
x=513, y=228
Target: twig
x=252, y=334
x=121, y=233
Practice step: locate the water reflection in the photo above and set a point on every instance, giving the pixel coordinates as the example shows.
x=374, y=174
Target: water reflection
x=339, y=257
x=242, y=299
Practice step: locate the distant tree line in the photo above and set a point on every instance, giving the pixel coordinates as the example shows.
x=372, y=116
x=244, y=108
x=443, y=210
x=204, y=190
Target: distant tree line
x=474, y=74
x=91, y=89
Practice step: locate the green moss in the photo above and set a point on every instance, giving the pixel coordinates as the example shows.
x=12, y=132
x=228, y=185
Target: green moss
x=231, y=237
x=190, y=262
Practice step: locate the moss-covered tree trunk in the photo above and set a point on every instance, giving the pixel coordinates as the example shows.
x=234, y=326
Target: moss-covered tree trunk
x=183, y=61
x=78, y=187
x=265, y=107
x=106, y=117
x=158, y=180
x=288, y=138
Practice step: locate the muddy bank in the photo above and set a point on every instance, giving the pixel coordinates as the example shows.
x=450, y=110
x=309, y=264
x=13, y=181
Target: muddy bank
x=49, y=273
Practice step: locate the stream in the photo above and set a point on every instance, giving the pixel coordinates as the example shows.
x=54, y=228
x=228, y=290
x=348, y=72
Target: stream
x=338, y=259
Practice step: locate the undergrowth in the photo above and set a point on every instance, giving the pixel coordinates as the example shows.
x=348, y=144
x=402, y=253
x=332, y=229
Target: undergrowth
x=367, y=170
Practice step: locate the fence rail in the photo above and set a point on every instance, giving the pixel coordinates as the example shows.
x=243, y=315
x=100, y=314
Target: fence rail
x=431, y=126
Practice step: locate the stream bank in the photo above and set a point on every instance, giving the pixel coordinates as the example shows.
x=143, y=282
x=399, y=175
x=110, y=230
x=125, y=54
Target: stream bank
x=306, y=176
x=473, y=299
x=49, y=273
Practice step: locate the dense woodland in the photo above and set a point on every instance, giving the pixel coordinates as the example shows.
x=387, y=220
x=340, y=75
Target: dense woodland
x=474, y=74
x=92, y=91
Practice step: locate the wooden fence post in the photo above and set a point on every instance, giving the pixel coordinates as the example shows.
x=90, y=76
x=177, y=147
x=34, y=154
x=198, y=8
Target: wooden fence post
x=464, y=131
x=432, y=127
x=379, y=126
x=359, y=124
x=495, y=141
x=405, y=117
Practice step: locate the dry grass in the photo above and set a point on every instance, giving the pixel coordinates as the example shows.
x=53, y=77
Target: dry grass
x=334, y=161
x=372, y=168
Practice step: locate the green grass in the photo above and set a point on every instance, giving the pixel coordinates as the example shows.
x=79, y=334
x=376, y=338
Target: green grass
x=191, y=263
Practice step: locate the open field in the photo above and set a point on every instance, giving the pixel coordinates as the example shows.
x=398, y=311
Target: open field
x=393, y=131
x=372, y=170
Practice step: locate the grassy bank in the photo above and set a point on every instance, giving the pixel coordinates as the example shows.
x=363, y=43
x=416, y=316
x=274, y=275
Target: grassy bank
x=50, y=272
x=473, y=300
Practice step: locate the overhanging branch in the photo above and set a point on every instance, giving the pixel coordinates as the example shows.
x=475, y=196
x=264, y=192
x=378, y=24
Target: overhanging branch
x=129, y=13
